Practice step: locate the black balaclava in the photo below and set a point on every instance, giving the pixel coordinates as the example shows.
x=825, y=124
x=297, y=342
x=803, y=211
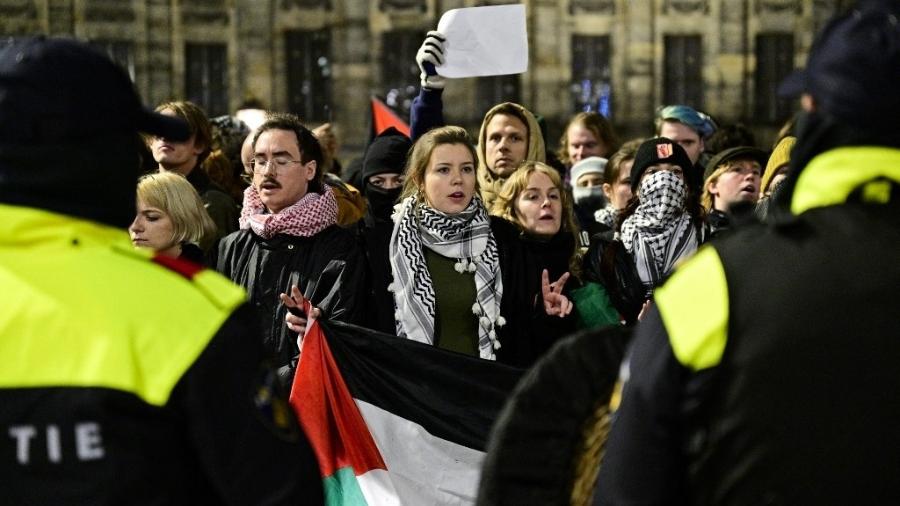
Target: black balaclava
x=386, y=154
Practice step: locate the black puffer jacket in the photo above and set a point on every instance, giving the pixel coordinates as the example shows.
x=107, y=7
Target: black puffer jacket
x=529, y=332
x=328, y=268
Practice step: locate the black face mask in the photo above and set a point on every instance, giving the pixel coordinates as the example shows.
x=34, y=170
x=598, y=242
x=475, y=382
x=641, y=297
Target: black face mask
x=381, y=201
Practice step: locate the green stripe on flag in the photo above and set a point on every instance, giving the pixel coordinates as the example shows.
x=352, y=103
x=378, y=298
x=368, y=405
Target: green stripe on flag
x=342, y=489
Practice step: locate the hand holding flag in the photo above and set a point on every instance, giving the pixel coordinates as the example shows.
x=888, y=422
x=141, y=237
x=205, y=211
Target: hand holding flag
x=299, y=311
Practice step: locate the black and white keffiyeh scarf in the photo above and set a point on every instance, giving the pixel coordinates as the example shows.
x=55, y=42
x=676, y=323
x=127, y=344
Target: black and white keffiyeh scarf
x=466, y=237
x=660, y=232
x=606, y=216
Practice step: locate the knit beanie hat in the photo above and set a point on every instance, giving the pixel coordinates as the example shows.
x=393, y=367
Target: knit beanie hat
x=654, y=151
x=781, y=155
x=386, y=153
x=590, y=165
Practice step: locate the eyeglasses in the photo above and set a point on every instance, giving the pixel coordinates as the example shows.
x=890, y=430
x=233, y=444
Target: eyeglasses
x=261, y=165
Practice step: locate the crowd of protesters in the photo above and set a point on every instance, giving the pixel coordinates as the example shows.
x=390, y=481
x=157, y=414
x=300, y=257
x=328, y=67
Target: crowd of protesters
x=492, y=246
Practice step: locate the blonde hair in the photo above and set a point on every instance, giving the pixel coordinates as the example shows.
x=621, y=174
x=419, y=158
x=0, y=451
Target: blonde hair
x=421, y=155
x=172, y=194
x=708, y=200
x=505, y=205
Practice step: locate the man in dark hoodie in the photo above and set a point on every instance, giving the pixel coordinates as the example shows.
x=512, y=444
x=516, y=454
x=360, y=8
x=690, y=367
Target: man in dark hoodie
x=383, y=172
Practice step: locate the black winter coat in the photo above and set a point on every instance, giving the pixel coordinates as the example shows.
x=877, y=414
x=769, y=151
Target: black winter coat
x=375, y=238
x=328, y=268
x=529, y=332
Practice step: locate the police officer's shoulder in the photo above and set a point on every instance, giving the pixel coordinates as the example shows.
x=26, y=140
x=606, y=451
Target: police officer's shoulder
x=693, y=304
x=214, y=287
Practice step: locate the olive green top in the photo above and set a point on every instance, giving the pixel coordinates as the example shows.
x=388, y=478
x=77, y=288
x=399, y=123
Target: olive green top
x=455, y=326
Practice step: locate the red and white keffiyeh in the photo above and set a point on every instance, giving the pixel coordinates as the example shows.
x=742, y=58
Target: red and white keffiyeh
x=307, y=217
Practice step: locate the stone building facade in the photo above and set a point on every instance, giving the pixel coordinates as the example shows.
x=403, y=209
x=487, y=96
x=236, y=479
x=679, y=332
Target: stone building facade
x=323, y=59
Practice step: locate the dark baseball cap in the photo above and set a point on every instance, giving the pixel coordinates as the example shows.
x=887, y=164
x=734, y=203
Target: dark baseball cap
x=735, y=153
x=658, y=150
x=56, y=91
x=853, y=69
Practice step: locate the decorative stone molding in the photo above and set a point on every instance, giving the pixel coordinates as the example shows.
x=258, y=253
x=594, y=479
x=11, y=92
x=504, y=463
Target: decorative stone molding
x=204, y=12
x=110, y=11
x=606, y=7
x=306, y=4
x=686, y=7
x=18, y=9
x=401, y=5
x=779, y=6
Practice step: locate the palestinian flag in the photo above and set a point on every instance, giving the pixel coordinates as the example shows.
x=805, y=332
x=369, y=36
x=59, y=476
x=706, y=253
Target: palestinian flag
x=394, y=421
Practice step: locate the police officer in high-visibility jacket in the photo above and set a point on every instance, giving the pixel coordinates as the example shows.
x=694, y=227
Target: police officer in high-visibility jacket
x=124, y=378
x=768, y=371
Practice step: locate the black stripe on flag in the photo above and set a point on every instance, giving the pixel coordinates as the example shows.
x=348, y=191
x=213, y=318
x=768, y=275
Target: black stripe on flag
x=453, y=396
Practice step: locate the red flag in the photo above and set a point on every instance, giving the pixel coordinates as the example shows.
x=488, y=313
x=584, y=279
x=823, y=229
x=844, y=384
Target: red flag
x=383, y=118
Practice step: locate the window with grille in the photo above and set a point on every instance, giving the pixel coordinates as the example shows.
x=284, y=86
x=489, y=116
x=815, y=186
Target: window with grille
x=399, y=71
x=494, y=90
x=309, y=74
x=206, y=77
x=683, y=70
x=774, y=61
x=591, y=85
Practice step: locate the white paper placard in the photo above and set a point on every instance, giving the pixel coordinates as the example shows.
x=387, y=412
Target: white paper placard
x=484, y=41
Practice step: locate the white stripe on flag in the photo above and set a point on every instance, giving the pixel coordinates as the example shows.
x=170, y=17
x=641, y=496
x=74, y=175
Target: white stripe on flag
x=377, y=488
x=424, y=469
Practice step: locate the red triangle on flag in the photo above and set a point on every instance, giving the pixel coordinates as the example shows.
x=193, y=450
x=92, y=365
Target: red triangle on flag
x=326, y=411
x=383, y=118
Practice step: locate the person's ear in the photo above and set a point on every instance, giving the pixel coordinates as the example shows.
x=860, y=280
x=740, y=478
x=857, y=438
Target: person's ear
x=198, y=146
x=311, y=168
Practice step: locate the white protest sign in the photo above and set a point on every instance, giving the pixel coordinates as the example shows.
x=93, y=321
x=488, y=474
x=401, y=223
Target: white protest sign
x=484, y=41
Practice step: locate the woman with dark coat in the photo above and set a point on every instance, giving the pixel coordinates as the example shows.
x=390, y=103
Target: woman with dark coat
x=536, y=235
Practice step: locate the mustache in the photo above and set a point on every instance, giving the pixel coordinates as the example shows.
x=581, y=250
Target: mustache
x=270, y=180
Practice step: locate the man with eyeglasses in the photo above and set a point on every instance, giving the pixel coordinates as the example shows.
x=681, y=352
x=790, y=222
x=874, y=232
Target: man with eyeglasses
x=289, y=241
